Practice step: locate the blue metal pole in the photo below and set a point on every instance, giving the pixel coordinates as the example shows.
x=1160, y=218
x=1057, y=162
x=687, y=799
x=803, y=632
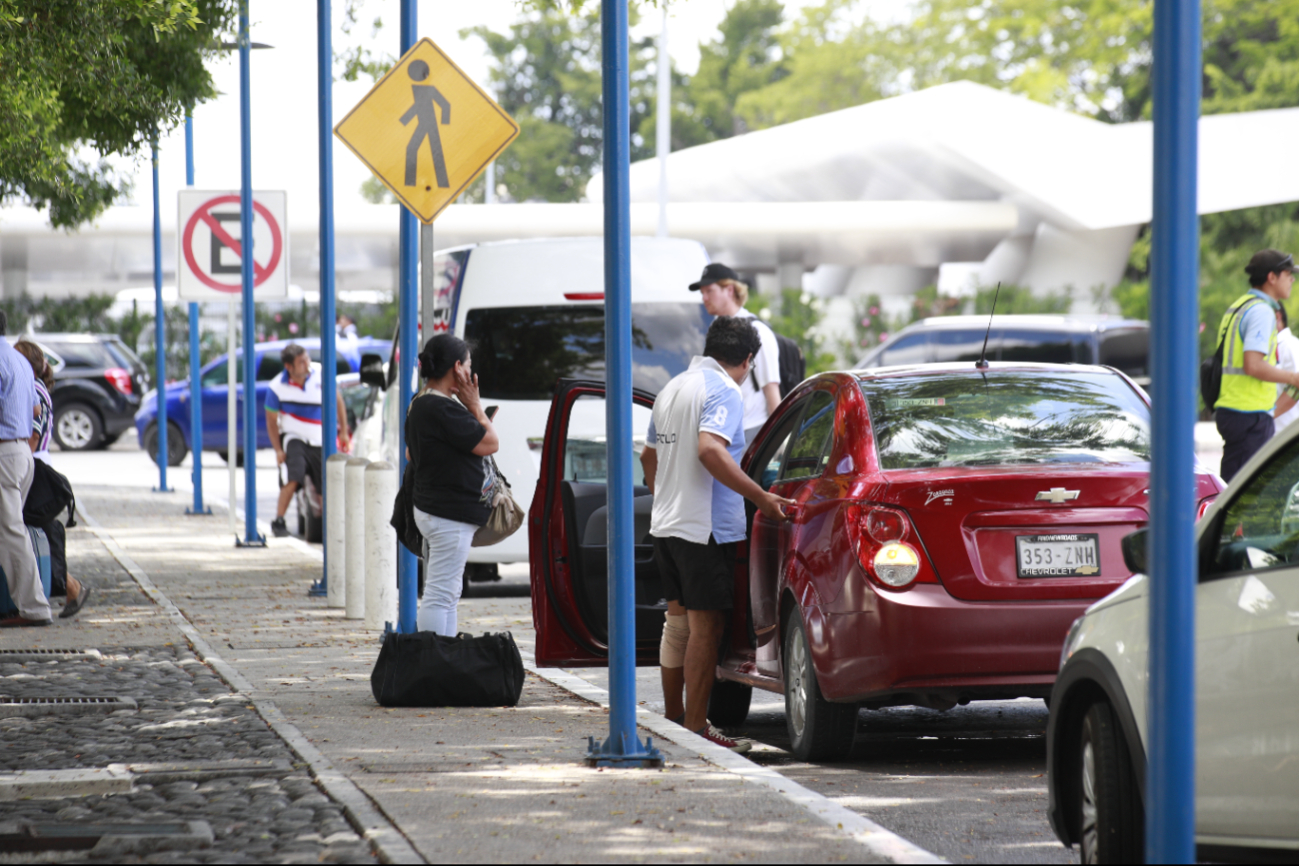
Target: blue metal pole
x=1174, y=316
x=329, y=399
x=251, y=536
x=159, y=331
x=407, y=351
x=195, y=388
x=623, y=747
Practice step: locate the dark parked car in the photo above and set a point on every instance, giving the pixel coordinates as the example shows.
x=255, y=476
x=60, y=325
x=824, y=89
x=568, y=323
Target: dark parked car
x=1123, y=344
x=213, y=381
x=98, y=383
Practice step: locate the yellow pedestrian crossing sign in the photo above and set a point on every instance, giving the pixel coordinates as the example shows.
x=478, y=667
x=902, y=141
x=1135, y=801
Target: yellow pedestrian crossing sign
x=426, y=130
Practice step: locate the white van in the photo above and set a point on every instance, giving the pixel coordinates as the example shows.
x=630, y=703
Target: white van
x=534, y=312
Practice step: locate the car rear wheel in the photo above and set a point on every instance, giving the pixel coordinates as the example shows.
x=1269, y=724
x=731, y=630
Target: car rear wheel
x=239, y=457
x=728, y=705
x=818, y=730
x=77, y=427
x=176, y=447
x=1111, y=826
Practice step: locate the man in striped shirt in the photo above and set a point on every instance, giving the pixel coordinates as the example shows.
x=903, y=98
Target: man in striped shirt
x=293, y=423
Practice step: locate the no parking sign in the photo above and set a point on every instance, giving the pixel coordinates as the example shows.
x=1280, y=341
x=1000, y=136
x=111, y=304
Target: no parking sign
x=211, y=249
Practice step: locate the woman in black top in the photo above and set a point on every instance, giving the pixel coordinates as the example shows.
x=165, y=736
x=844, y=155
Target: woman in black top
x=448, y=443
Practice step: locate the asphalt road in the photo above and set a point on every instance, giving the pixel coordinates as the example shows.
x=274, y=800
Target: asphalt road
x=967, y=784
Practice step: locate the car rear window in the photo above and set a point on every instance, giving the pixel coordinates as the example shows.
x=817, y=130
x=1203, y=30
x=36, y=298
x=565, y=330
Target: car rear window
x=520, y=352
x=125, y=357
x=90, y=354
x=1006, y=418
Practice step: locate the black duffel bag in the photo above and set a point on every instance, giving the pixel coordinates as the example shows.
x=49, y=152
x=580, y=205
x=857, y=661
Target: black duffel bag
x=425, y=669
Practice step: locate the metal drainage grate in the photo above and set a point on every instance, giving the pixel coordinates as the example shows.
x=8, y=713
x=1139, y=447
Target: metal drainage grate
x=28, y=655
x=10, y=707
x=112, y=840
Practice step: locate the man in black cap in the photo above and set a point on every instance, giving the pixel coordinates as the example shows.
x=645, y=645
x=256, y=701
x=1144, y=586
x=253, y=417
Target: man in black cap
x=1247, y=334
x=724, y=295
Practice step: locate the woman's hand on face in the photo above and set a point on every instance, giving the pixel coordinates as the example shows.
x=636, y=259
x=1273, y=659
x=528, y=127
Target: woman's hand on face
x=467, y=388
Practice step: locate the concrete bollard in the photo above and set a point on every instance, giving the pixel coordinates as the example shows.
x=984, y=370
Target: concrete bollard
x=380, y=546
x=354, y=536
x=336, y=529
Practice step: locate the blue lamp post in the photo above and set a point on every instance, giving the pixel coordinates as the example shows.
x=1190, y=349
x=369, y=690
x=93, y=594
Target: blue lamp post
x=622, y=748
x=408, y=348
x=1174, y=326
x=328, y=364
x=251, y=536
x=195, y=387
x=159, y=332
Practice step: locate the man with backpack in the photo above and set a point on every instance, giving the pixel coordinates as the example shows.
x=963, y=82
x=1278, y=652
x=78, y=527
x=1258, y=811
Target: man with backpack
x=1247, y=341
x=724, y=295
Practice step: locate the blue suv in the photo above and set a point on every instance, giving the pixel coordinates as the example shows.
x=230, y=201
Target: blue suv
x=213, y=380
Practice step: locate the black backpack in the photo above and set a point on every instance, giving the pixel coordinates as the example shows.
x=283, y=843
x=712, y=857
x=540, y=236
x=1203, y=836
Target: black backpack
x=1211, y=368
x=792, y=365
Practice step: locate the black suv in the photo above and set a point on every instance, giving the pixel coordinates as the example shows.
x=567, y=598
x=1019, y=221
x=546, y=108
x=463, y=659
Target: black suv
x=98, y=383
x=1123, y=344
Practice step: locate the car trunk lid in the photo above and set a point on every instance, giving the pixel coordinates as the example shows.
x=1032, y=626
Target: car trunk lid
x=973, y=520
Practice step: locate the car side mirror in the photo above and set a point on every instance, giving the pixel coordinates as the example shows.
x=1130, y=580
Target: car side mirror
x=372, y=371
x=1134, y=551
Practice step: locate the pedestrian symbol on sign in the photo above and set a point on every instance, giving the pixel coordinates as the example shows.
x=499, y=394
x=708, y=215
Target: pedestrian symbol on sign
x=411, y=105
x=426, y=97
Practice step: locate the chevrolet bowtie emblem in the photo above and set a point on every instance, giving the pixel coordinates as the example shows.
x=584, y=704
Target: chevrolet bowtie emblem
x=1056, y=495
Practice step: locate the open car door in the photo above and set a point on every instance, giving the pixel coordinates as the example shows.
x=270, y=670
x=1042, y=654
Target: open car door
x=567, y=534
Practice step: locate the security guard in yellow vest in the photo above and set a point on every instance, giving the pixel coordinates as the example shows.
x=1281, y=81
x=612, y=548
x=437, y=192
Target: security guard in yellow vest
x=1248, y=398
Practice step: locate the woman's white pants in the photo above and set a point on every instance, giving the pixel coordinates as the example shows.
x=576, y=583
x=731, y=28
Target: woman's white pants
x=446, y=549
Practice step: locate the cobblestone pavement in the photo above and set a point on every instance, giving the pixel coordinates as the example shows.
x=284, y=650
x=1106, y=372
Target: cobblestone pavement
x=185, y=714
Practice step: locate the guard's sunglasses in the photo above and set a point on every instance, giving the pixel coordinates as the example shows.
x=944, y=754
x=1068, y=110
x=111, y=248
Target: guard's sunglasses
x=1286, y=264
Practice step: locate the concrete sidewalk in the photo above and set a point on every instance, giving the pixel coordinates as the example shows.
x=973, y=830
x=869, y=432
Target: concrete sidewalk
x=457, y=784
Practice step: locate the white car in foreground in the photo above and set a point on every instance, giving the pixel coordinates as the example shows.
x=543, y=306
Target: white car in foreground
x=1247, y=685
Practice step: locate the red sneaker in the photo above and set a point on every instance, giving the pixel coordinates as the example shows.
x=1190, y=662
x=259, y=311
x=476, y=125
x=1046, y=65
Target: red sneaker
x=712, y=735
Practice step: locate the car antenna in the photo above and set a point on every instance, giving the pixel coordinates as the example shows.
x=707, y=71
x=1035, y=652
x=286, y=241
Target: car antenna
x=982, y=363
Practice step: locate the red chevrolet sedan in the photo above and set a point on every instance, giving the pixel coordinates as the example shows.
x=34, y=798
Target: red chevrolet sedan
x=951, y=522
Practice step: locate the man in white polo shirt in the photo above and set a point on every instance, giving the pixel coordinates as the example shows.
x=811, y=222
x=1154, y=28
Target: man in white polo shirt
x=695, y=440
x=293, y=416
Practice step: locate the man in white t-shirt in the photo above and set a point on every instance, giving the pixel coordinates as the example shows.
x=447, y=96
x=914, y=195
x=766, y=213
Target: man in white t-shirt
x=724, y=295
x=695, y=440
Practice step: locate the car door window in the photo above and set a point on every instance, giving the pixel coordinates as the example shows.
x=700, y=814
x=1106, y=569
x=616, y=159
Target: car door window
x=269, y=366
x=911, y=349
x=807, y=451
x=216, y=376
x=341, y=365
x=84, y=355
x=767, y=463
x=958, y=345
x=1041, y=347
x=1259, y=530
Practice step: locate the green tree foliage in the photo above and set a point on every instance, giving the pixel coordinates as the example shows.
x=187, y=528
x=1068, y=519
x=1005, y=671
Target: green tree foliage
x=1089, y=56
x=546, y=74
x=100, y=75
x=796, y=314
x=745, y=59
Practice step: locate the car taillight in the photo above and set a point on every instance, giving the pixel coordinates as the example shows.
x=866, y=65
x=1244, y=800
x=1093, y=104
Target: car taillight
x=887, y=547
x=119, y=379
x=1204, y=506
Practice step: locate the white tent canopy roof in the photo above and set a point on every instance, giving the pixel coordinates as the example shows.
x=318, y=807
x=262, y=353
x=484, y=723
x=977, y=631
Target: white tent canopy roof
x=965, y=141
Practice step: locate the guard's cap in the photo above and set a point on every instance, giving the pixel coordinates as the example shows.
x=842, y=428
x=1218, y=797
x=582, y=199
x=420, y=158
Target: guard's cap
x=712, y=273
x=1266, y=262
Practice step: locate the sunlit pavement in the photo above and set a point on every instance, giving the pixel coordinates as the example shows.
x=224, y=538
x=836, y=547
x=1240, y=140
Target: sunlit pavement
x=968, y=784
